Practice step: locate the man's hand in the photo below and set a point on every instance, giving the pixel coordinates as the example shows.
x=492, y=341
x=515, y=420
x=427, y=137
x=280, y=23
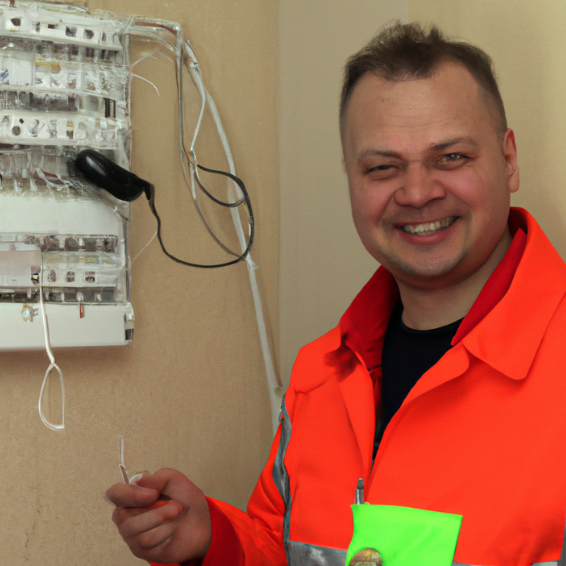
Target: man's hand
x=162, y=531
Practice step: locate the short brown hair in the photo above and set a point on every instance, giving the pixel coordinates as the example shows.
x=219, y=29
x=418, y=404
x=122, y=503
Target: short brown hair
x=410, y=51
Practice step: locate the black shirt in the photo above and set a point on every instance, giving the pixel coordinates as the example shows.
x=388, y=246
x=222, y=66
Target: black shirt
x=407, y=355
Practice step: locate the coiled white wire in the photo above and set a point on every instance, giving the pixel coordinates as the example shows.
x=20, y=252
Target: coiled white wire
x=52, y=364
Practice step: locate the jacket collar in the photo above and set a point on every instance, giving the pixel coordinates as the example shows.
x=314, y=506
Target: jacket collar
x=521, y=317
x=538, y=284
x=363, y=325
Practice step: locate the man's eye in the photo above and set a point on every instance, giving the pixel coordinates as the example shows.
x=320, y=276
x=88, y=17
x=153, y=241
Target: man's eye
x=380, y=168
x=382, y=172
x=451, y=157
x=452, y=161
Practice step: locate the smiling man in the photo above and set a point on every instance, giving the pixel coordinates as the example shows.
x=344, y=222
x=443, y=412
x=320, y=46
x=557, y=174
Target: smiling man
x=430, y=175
x=443, y=388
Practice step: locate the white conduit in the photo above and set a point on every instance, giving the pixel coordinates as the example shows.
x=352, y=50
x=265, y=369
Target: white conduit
x=273, y=384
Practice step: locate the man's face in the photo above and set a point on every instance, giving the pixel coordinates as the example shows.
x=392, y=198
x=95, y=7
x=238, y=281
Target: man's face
x=430, y=180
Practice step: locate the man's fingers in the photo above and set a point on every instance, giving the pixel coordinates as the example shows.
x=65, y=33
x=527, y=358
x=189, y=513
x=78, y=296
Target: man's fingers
x=148, y=532
x=157, y=528
x=162, y=479
x=157, y=537
x=126, y=495
x=134, y=522
x=173, y=484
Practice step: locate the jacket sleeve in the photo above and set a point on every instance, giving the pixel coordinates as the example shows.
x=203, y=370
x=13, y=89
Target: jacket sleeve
x=260, y=530
x=254, y=538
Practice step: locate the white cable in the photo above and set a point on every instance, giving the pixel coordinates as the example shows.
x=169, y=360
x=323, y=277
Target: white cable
x=122, y=451
x=273, y=384
x=52, y=365
x=122, y=466
x=146, y=56
x=147, y=81
x=202, y=91
x=140, y=252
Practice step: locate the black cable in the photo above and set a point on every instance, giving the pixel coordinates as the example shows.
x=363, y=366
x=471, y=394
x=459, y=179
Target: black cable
x=124, y=185
x=245, y=199
x=236, y=180
x=201, y=215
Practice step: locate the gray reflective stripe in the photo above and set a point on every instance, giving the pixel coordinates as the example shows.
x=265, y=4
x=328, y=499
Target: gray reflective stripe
x=280, y=476
x=298, y=553
x=302, y=554
x=279, y=473
x=562, y=561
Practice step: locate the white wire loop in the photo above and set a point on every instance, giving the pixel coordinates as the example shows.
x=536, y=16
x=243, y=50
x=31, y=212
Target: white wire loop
x=52, y=365
x=44, y=419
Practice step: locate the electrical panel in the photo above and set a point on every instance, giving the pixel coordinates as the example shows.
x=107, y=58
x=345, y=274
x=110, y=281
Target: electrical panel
x=64, y=87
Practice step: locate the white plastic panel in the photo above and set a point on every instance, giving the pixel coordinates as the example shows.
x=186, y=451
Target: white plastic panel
x=28, y=214
x=61, y=24
x=101, y=325
x=64, y=87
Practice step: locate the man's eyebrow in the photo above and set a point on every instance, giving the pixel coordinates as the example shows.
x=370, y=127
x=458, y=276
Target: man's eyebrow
x=380, y=152
x=449, y=143
x=440, y=146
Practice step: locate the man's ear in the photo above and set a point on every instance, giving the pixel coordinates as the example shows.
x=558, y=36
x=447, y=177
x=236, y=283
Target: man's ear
x=511, y=164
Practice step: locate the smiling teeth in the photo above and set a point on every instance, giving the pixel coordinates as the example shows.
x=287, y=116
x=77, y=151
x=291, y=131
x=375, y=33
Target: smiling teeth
x=428, y=228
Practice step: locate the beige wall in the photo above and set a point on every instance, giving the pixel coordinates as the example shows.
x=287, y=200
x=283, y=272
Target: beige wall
x=190, y=391
x=322, y=263
x=527, y=42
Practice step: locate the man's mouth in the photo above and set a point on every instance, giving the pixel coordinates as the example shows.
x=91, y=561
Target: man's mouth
x=428, y=227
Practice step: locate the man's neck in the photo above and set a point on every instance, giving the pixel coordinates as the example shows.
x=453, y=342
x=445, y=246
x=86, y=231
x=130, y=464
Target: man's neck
x=430, y=307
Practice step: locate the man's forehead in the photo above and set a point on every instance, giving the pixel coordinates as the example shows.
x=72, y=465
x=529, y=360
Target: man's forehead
x=449, y=91
x=450, y=100
x=448, y=76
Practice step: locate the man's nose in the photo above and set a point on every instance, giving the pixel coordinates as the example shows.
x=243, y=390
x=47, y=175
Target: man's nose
x=418, y=186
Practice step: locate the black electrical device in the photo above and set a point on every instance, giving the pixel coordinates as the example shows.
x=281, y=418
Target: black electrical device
x=107, y=175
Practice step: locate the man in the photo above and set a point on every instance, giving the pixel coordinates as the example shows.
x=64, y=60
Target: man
x=443, y=386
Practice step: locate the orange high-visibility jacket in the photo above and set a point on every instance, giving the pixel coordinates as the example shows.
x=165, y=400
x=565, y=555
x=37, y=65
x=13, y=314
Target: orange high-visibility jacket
x=482, y=434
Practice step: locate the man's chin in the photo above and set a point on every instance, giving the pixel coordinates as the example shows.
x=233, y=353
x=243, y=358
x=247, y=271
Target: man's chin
x=423, y=274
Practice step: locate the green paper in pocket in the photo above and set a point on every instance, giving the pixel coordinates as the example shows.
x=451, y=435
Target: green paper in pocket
x=404, y=536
